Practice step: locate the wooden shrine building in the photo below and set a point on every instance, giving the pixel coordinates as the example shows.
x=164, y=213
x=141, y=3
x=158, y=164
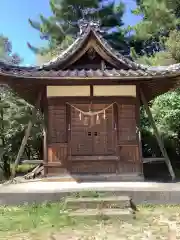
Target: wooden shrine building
x=90, y=96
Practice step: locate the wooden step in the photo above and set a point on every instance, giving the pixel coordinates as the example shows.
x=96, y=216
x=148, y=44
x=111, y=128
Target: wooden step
x=125, y=214
x=116, y=202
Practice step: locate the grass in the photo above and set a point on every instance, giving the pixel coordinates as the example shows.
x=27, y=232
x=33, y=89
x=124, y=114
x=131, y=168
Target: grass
x=23, y=169
x=33, y=219
x=37, y=222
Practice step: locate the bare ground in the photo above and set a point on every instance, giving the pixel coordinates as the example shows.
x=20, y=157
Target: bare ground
x=150, y=223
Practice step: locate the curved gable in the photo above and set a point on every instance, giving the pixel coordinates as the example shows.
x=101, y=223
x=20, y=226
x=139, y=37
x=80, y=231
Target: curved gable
x=89, y=43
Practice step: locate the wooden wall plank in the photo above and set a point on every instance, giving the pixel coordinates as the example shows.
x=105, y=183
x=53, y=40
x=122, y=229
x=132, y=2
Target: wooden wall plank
x=57, y=123
x=127, y=122
x=57, y=153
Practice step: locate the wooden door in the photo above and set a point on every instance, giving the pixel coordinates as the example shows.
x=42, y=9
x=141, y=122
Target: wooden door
x=104, y=131
x=81, y=135
x=92, y=138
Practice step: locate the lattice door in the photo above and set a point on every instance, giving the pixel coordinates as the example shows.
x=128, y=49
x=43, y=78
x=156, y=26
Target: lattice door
x=92, y=138
x=81, y=137
x=103, y=133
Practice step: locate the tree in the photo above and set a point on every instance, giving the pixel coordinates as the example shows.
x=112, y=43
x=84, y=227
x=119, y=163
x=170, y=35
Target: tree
x=6, y=52
x=159, y=19
x=6, y=56
x=62, y=27
x=15, y=114
x=160, y=37
x=158, y=31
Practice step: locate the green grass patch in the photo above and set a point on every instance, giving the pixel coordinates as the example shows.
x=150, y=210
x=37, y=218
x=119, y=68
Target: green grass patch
x=34, y=217
x=39, y=221
x=24, y=168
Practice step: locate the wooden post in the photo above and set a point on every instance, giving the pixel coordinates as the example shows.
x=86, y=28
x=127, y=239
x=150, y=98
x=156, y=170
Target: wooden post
x=45, y=137
x=26, y=136
x=45, y=151
x=45, y=143
x=158, y=137
x=138, y=130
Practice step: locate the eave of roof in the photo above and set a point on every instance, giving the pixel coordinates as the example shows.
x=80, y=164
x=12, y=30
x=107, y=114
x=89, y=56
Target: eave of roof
x=90, y=28
x=49, y=70
x=16, y=73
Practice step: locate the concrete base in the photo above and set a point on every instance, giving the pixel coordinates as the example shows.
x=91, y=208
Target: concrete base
x=139, y=192
x=123, y=214
x=96, y=178
x=100, y=206
x=122, y=202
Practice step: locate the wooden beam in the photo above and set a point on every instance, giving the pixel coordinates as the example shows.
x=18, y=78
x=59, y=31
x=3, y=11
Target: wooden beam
x=151, y=160
x=157, y=134
x=26, y=136
x=33, y=162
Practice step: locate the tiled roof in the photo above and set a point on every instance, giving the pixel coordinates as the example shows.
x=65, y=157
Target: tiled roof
x=18, y=72
x=53, y=69
x=87, y=29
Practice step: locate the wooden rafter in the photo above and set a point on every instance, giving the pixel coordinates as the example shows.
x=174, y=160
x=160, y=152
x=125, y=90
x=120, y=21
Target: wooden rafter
x=157, y=135
x=26, y=136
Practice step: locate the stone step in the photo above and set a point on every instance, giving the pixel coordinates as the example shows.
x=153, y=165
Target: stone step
x=124, y=214
x=116, y=202
x=135, y=177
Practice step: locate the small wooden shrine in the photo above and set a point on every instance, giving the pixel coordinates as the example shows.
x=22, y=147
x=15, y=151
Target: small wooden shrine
x=90, y=96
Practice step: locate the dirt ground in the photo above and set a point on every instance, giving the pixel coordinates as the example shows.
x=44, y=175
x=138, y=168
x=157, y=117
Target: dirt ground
x=150, y=223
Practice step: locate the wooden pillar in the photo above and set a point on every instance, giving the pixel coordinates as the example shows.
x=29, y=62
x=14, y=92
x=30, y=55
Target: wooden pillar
x=45, y=132
x=45, y=150
x=138, y=132
x=157, y=134
x=26, y=136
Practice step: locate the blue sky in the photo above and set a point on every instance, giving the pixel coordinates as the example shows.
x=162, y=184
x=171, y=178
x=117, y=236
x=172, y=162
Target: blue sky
x=14, y=23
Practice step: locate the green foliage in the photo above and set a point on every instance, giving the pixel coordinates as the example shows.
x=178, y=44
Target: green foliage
x=172, y=45
x=23, y=168
x=162, y=58
x=157, y=19
x=34, y=218
x=62, y=27
x=166, y=110
x=6, y=51
x=159, y=33
x=170, y=55
x=15, y=114
x=7, y=56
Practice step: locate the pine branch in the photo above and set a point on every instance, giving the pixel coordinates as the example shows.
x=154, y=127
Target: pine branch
x=35, y=24
x=34, y=49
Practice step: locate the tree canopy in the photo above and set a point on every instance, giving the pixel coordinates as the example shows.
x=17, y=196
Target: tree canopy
x=6, y=53
x=62, y=27
x=14, y=116
x=159, y=33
